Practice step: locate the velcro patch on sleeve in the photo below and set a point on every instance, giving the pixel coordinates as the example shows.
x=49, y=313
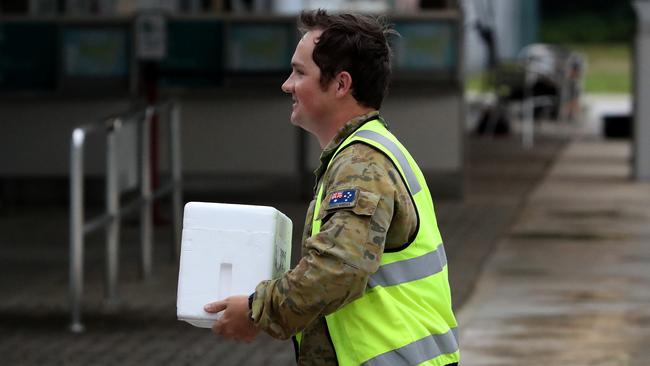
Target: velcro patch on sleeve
x=343, y=198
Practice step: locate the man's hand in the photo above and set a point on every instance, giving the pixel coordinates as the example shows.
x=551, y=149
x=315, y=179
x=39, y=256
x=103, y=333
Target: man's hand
x=235, y=322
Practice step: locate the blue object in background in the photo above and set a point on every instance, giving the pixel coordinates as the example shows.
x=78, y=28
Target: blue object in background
x=94, y=52
x=425, y=46
x=194, y=54
x=254, y=47
x=28, y=56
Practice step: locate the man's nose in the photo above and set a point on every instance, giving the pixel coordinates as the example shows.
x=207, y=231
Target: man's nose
x=287, y=86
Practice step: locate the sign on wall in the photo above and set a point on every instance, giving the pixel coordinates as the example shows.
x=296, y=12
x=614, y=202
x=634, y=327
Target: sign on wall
x=151, y=36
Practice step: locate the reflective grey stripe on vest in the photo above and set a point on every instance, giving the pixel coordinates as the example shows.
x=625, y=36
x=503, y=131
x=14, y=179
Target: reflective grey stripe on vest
x=411, y=179
x=409, y=269
x=419, y=351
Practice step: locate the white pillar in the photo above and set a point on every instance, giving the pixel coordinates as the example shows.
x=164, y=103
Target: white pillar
x=641, y=148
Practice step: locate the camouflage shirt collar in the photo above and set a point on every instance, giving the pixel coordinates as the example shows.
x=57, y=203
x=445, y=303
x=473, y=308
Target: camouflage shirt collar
x=345, y=131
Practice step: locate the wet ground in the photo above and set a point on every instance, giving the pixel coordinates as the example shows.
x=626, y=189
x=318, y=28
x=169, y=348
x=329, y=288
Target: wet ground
x=549, y=257
x=570, y=282
x=142, y=329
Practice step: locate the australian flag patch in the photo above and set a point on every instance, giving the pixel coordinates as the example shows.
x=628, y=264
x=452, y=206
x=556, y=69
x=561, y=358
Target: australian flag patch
x=344, y=198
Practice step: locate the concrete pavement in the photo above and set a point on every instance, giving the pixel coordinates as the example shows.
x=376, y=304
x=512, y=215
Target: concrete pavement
x=142, y=329
x=570, y=283
x=564, y=232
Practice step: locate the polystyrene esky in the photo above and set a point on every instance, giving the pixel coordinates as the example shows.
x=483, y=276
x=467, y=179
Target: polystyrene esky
x=228, y=249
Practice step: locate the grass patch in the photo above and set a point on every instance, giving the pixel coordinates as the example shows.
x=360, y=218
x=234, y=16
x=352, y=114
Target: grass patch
x=609, y=69
x=474, y=82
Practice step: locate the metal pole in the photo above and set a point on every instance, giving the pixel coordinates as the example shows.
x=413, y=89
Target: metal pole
x=146, y=215
x=563, y=107
x=112, y=210
x=76, y=229
x=529, y=108
x=177, y=179
x=641, y=112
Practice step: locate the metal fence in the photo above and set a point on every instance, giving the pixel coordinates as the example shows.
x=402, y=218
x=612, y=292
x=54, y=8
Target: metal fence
x=113, y=127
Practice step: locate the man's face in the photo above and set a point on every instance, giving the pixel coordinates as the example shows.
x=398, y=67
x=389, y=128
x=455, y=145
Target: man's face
x=310, y=102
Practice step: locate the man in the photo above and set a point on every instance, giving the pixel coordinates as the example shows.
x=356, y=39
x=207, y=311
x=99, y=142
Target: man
x=371, y=287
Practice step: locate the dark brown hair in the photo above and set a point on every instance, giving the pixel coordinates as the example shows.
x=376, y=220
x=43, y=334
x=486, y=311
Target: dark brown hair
x=353, y=43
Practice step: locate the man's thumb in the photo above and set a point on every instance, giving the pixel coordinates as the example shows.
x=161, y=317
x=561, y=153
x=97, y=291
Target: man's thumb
x=215, y=307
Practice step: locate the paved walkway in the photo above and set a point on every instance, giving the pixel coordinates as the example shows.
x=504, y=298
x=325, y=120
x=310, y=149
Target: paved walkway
x=143, y=330
x=570, y=283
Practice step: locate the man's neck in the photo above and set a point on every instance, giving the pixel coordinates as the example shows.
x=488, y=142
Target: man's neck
x=338, y=120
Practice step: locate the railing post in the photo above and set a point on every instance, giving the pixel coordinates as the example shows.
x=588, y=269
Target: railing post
x=528, y=125
x=76, y=229
x=111, y=220
x=112, y=210
x=176, y=170
x=146, y=213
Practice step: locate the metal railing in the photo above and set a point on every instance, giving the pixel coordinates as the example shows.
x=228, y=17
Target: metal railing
x=79, y=226
x=562, y=68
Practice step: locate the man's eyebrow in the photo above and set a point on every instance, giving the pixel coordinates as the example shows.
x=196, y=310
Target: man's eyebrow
x=296, y=64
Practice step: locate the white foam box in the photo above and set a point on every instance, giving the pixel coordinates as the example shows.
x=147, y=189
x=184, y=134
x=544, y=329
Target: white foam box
x=226, y=250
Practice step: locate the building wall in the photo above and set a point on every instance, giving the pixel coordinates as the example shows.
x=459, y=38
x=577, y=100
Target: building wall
x=516, y=23
x=226, y=135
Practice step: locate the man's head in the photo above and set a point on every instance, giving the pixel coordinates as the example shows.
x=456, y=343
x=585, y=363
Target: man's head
x=341, y=63
x=353, y=43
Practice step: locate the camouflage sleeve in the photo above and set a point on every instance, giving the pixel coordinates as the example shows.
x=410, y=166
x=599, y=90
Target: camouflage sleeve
x=337, y=261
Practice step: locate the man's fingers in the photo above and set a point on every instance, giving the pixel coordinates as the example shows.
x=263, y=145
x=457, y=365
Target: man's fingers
x=235, y=323
x=220, y=328
x=249, y=338
x=217, y=328
x=215, y=307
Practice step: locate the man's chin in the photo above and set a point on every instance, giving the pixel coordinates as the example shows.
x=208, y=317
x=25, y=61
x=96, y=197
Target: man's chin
x=294, y=120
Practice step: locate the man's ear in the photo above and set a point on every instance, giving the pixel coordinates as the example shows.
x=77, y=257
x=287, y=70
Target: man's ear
x=343, y=83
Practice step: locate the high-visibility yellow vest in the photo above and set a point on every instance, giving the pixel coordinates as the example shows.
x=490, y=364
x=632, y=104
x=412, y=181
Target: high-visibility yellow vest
x=405, y=316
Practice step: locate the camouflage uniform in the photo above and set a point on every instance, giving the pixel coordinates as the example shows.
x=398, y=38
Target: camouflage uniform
x=336, y=263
